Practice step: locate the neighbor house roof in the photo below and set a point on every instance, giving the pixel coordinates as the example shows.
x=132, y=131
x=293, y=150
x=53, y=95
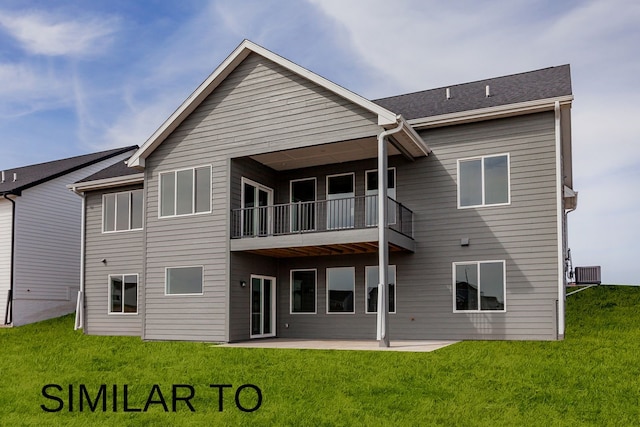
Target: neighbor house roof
x=529, y=90
x=115, y=175
x=32, y=175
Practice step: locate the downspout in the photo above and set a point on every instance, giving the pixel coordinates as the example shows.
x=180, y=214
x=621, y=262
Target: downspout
x=8, y=314
x=79, y=322
x=560, y=220
x=383, y=237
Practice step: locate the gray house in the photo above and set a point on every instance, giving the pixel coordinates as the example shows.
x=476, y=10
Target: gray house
x=253, y=211
x=40, y=223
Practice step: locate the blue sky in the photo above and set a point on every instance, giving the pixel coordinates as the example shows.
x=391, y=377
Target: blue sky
x=81, y=76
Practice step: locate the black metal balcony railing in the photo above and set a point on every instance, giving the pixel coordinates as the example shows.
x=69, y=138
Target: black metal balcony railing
x=322, y=215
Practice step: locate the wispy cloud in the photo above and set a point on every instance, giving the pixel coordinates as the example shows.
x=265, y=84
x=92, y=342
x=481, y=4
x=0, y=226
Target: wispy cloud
x=49, y=34
x=30, y=88
x=423, y=44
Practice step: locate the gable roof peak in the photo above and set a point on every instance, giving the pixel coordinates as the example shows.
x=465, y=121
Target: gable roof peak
x=137, y=160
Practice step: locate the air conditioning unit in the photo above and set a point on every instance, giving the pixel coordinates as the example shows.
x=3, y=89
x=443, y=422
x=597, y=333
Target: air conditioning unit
x=588, y=275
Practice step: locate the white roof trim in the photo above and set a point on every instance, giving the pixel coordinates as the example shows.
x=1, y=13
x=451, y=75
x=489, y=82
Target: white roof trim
x=490, y=113
x=385, y=117
x=116, y=181
x=414, y=137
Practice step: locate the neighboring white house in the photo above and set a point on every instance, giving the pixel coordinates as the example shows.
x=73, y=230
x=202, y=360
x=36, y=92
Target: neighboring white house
x=40, y=228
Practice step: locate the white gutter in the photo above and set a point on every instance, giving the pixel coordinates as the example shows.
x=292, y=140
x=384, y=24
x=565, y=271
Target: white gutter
x=79, y=322
x=383, y=237
x=106, y=183
x=560, y=220
x=527, y=107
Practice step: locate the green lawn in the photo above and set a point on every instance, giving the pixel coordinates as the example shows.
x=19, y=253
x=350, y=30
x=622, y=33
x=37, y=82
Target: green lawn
x=590, y=378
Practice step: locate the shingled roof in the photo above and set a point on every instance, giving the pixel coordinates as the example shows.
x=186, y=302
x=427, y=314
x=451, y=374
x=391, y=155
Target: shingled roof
x=523, y=87
x=116, y=170
x=32, y=175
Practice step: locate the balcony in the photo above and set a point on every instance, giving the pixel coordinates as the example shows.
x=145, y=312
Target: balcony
x=324, y=227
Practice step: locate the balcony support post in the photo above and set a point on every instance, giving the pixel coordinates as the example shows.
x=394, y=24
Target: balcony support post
x=382, y=330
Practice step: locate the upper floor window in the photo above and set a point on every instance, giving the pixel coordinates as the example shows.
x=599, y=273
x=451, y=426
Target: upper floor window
x=483, y=181
x=122, y=211
x=479, y=286
x=185, y=191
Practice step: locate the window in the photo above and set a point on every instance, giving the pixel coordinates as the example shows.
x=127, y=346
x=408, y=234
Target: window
x=185, y=192
x=257, y=212
x=184, y=280
x=371, y=192
x=122, y=211
x=303, y=291
x=303, y=204
x=340, y=201
x=371, y=303
x=483, y=181
x=123, y=294
x=479, y=286
x=340, y=289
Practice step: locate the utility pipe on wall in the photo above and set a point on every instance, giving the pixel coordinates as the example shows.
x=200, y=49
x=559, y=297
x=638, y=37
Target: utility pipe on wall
x=383, y=237
x=8, y=314
x=79, y=322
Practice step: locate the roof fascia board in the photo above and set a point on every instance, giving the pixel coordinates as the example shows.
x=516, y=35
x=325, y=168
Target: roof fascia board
x=414, y=137
x=490, y=113
x=117, y=181
x=137, y=160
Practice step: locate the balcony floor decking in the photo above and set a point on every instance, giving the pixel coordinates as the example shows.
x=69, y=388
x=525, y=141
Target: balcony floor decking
x=338, y=242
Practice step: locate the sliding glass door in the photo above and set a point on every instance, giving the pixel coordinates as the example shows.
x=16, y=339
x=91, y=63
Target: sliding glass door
x=371, y=190
x=256, y=215
x=303, y=206
x=263, y=306
x=340, y=201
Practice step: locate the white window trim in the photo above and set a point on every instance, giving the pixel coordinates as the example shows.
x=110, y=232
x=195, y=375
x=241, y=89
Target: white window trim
x=326, y=279
x=270, y=202
x=274, y=313
x=326, y=188
x=166, y=276
x=504, y=288
x=395, y=178
x=116, y=211
x=327, y=201
x=315, y=185
x=481, y=158
x=315, y=305
x=113, y=313
x=395, y=188
x=395, y=289
x=175, y=188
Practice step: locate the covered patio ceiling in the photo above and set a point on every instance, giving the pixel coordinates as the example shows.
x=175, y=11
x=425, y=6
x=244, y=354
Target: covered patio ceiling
x=318, y=155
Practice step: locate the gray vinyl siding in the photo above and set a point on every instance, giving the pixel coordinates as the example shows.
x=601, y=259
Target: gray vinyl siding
x=260, y=107
x=123, y=252
x=255, y=171
x=243, y=265
x=523, y=234
x=47, y=248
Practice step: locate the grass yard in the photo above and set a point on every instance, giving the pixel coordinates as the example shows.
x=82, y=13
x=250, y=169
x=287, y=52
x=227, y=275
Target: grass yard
x=590, y=378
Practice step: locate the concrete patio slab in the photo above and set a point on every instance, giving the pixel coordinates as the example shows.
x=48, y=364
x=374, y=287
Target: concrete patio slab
x=415, y=346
